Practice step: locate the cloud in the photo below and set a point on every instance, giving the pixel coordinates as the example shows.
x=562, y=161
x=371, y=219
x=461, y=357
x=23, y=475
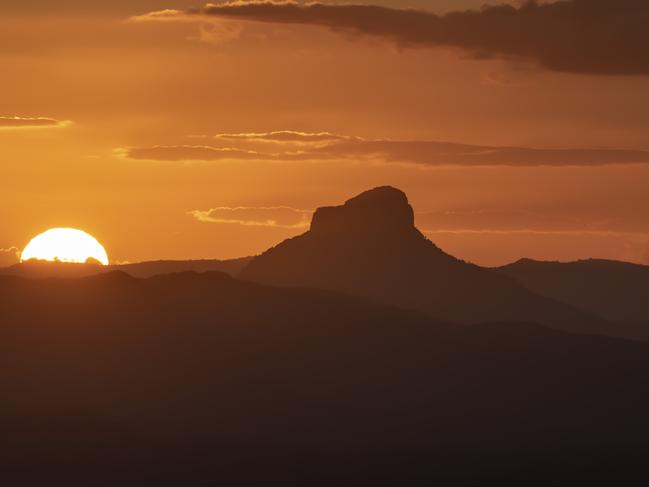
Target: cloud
x=9, y=256
x=499, y=236
x=270, y=216
x=166, y=14
x=290, y=146
x=531, y=231
x=578, y=36
x=497, y=220
x=30, y=122
x=190, y=153
x=286, y=136
x=549, y=219
x=432, y=153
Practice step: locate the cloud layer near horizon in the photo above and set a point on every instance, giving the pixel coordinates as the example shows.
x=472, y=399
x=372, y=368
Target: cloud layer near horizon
x=291, y=146
x=578, y=36
x=476, y=220
x=581, y=221
x=623, y=233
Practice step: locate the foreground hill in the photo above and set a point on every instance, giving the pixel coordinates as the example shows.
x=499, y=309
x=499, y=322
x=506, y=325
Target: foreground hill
x=617, y=291
x=201, y=379
x=42, y=269
x=370, y=247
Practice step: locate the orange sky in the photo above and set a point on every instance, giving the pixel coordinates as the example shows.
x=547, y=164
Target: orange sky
x=128, y=129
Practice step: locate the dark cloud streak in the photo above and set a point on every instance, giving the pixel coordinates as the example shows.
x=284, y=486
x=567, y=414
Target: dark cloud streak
x=443, y=153
x=347, y=148
x=578, y=36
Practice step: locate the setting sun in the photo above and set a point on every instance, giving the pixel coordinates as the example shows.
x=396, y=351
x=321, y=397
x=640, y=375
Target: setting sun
x=65, y=245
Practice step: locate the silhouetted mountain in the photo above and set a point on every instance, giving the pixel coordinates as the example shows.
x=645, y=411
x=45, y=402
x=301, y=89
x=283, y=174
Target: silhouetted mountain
x=201, y=379
x=41, y=269
x=154, y=268
x=616, y=291
x=370, y=247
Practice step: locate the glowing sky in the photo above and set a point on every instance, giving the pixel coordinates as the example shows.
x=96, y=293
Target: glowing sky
x=214, y=134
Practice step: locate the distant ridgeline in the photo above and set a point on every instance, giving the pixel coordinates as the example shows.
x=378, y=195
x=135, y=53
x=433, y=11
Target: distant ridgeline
x=40, y=268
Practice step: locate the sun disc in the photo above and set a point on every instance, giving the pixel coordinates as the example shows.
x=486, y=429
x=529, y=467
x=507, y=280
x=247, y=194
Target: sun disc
x=65, y=245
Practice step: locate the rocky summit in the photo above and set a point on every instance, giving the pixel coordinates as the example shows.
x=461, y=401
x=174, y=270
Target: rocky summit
x=380, y=210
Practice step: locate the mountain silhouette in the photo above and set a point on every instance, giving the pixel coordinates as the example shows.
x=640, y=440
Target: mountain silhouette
x=42, y=269
x=154, y=268
x=370, y=247
x=196, y=379
x=616, y=291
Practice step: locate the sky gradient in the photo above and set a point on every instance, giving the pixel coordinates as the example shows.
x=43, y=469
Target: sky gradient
x=214, y=132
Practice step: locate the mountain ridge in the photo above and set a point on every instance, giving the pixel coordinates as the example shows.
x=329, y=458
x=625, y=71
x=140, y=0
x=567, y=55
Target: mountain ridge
x=40, y=269
x=356, y=248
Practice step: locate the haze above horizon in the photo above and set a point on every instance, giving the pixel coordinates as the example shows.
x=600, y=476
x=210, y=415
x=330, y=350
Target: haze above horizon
x=216, y=132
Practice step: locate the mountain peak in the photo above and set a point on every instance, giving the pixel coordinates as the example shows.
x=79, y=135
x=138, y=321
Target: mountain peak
x=379, y=210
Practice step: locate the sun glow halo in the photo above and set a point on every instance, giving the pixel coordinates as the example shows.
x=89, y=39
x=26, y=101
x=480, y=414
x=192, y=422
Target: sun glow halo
x=64, y=245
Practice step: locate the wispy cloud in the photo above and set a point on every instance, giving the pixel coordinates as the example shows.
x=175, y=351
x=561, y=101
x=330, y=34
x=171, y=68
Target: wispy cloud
x=161, y=15
x=578, y=36
x=549, y=220
x=469, y=221
x=30, y=122
x=264, y=216
x=292, y=146
x=530, y=231
x=287, y=136
x=507, y=220
x=190, y=153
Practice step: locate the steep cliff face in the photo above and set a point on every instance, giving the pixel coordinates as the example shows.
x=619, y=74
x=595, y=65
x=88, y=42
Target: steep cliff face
x=378, y=211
